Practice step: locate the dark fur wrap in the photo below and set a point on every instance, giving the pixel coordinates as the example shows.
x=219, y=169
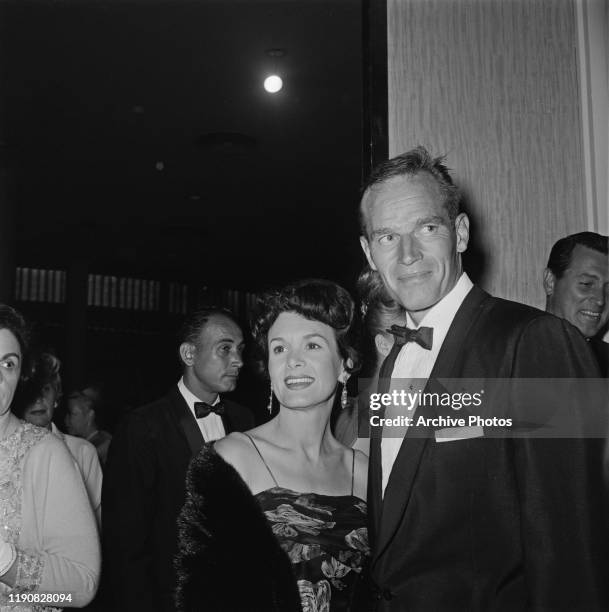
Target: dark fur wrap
x=229, y=559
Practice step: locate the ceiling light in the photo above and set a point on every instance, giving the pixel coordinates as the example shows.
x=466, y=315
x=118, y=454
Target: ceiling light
x=273, y=83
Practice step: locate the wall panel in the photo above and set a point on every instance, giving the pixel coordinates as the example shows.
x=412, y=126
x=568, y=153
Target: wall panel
x=493, y=84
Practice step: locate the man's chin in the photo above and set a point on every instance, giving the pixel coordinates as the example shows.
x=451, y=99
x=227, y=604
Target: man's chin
x=588, y=328
x=421, y=305
x=589, y=332
x=228, y=386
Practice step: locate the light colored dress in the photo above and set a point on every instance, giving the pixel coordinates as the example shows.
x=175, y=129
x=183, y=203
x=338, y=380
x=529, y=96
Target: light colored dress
x=86, y=458
x=46, y=514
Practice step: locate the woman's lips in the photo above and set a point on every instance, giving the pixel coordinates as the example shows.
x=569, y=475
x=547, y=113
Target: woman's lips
x=296, y=383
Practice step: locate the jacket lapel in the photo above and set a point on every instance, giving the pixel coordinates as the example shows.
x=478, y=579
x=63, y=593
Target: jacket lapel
x=375, y=476
x=186, y=422
x=227, y=422
x=404, y=471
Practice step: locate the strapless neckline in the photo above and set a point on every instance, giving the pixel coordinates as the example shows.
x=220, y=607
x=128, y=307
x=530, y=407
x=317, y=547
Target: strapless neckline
x=299, y=493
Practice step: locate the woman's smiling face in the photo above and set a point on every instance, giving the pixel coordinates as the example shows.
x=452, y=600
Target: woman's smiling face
x=10, y=368
x=304, y=362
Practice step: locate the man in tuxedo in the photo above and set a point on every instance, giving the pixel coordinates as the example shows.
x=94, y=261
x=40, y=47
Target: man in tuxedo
x=461, y=519
x=576, y=282
x=144, y=480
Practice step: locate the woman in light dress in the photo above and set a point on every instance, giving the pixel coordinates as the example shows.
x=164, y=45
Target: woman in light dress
x=49, y=546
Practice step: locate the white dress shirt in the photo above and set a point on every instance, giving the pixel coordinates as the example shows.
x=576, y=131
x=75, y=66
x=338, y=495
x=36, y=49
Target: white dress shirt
x=211, y=426
x=415, y=362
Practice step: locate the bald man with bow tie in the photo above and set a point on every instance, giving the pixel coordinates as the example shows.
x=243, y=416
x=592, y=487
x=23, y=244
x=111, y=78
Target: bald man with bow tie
x=144, y=481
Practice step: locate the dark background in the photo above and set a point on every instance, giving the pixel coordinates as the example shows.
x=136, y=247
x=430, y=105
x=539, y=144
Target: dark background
x=138, y=142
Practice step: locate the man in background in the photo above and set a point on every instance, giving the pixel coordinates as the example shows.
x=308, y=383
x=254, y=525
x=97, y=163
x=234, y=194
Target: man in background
x=576, y=283
x=144, y=481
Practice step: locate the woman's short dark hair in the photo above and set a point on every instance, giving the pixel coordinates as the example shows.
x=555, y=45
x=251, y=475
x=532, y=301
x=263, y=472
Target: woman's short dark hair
x=15, y=323
x=316, y=300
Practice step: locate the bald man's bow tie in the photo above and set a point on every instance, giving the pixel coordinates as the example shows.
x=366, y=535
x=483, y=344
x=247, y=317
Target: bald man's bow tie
x=422, y=336
x=202, y=409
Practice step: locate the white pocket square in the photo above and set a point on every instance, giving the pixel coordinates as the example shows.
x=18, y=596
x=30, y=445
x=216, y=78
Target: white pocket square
x=452, y=434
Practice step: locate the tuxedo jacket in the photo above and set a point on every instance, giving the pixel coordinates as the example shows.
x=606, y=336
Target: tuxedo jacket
x=484, y=523
x=601, y=351
x=143, y=493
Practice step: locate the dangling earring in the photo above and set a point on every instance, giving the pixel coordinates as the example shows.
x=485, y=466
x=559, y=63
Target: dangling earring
x=270, y=406
x=344, y=400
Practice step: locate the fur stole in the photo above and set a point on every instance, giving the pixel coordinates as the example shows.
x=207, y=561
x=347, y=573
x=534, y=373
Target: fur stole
x=229, y=559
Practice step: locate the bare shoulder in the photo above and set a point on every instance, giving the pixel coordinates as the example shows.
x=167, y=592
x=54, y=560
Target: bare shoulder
x=241, y=451
x=234, y=449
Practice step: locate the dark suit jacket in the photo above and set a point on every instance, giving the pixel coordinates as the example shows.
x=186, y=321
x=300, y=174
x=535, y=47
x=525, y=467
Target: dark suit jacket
x=493, y=524
x=143, y=493
x=601, y=351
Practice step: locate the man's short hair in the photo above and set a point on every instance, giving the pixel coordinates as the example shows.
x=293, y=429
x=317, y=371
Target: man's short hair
x=562, y=251
x=411, y=163
x=195, y=322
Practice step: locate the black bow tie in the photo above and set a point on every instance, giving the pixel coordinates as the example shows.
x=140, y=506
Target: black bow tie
x=202, y=409
x=422, y=336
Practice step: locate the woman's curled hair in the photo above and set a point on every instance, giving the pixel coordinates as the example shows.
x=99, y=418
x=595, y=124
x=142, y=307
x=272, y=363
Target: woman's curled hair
x=316, y=300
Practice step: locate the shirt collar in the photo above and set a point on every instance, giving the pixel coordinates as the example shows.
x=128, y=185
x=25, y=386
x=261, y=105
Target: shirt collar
x=190, y=397
x=441, y=315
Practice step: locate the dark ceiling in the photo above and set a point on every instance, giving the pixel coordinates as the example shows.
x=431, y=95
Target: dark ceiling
x=141, y=138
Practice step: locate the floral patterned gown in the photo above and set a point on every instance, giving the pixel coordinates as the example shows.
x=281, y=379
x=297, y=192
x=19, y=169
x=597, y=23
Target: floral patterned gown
x=326, y=539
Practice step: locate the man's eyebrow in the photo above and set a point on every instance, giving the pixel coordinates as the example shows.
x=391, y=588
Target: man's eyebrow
x=431, y=219
x=232, y=340
x=381, y=230
x=10, y=355
x=438, y=219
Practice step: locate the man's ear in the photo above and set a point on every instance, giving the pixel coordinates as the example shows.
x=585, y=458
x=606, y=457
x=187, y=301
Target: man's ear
x=366, y=248
x=187, y=353
x=462, y=231
x=548, y=281
x=383, y=345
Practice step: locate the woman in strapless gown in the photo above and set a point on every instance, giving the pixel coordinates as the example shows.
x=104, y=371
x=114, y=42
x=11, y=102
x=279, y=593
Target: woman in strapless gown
x=275, y=518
